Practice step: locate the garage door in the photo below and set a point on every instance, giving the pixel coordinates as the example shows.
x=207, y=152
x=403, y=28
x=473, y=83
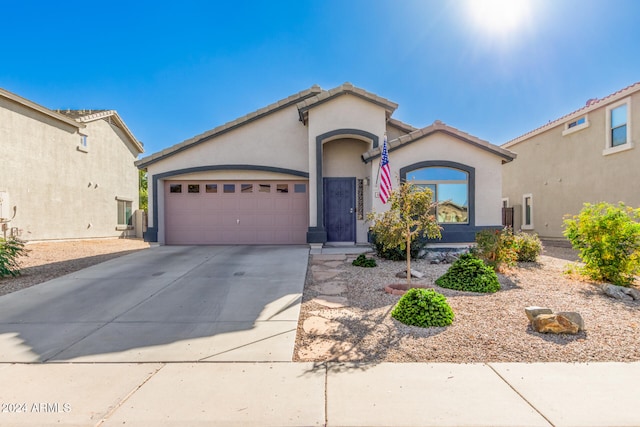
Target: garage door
x=236, y=212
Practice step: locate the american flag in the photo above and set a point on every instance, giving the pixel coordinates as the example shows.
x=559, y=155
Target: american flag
x=385, y=173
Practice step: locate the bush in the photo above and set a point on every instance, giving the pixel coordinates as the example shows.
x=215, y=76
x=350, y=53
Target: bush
x=396, y=253
x=363, y=261
x=528, y=247
x=10, y=250
x=424, y=308
x=496, y=248
x=607, y=238
x=469, y=273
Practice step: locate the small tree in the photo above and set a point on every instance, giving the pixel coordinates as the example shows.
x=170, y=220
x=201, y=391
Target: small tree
x=143, y=187
x=608, y=240
x=411, y=215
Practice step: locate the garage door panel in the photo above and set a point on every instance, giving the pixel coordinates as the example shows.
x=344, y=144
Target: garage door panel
x=259, y=212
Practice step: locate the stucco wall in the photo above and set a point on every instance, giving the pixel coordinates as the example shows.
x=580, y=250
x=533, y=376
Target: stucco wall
x=59, y=191
x=276, y=140
x=563, y=172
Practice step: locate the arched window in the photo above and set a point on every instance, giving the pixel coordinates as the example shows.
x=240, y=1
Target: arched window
x=450, y=187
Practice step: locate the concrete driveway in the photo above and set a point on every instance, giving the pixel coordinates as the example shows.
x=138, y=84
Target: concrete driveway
x=168, y=303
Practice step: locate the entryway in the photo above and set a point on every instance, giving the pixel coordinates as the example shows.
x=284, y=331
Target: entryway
x=339, y=209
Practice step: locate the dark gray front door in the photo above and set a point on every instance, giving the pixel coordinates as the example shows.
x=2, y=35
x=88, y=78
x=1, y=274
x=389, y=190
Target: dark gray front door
x=339, y=209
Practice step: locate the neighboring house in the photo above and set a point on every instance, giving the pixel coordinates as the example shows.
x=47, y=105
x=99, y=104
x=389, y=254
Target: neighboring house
x=304, y=170
x=588, y=155
x=65, y=175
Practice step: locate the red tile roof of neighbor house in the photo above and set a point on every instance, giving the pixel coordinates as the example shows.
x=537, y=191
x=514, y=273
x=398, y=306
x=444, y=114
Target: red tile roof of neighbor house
x=590, y=105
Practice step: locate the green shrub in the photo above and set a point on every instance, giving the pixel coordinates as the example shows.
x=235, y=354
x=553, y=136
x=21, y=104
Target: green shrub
x=496, y=248
x=10, y=250
x=528, y=246
x=469, y=273
x=424, y=308
x=607, y=238
x=396, y=253
x=363, y=261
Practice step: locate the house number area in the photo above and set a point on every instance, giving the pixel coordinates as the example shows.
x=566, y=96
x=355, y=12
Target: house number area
x=44, y=407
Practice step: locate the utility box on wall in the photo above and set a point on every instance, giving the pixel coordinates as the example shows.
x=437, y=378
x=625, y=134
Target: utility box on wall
x=5, y=206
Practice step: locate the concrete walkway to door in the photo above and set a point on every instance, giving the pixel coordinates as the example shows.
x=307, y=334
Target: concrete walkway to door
x=169, y=303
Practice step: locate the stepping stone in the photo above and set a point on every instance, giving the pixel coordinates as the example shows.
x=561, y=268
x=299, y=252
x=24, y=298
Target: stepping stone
x=331, y=301
x=333, y=264
x=322, y=275
x=332, y=288
x=322, y=258
x=320, y=326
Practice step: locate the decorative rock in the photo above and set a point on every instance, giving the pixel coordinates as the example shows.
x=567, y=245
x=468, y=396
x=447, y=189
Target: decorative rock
x=554, y=323
x=573, y=317
x=414, y=273
x=320, y=326
x=331, y=301
x=533, y=311
x=620, y=292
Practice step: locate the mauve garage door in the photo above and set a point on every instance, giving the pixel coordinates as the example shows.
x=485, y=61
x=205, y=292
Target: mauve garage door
x=236, y=212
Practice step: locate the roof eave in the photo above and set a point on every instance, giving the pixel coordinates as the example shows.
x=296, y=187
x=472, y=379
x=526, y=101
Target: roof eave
x=39, y=108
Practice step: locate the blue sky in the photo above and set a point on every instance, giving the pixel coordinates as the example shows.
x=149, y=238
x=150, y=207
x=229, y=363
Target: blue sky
x=176, y=69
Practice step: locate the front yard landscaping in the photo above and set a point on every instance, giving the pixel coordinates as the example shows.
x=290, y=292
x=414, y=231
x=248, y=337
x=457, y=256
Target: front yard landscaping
x=346, y=316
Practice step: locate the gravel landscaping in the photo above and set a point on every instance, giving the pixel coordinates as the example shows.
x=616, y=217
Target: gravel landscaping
x=345, y=316
x=48, y=260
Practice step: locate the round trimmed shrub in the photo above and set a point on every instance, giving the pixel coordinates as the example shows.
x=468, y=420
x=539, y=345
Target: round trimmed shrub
x=470, y=274
x=424, y=308
x=363, y=261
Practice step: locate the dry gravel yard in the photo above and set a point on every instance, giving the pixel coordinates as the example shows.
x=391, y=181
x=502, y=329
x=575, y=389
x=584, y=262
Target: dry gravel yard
x=48, y=260
x=487, y=327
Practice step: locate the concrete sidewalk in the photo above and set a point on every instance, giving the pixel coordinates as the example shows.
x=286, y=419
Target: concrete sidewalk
x=307, y=394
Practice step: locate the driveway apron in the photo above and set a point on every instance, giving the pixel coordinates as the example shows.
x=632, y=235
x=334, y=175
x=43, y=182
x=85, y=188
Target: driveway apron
x=168, y=303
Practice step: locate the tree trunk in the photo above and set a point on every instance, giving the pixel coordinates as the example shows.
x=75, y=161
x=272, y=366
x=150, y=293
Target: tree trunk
x=408, y=257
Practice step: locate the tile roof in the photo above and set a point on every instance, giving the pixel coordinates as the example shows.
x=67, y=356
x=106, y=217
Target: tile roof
x=283, y=103
x=343, y=89
x=85, y=116
x=39, y=108
x=405, y=127
x=439, y=126
x=591, y=104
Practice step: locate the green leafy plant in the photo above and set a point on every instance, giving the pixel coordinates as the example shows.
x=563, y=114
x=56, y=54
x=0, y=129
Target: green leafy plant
x=607, y=238
x=10, y=250
x=410, y=216
x=470, y=274
x=363, y=261
x=528, y=246
x=496, y=248
x=397, y=253
x=424, y=308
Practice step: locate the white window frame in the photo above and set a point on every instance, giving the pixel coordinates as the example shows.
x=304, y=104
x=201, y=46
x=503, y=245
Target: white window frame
x=124, y=226
x=569, y=130
x=83, y=145
x=524, y=211
x=608, y=149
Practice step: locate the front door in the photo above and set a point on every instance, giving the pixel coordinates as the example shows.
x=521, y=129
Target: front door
x=339, y=209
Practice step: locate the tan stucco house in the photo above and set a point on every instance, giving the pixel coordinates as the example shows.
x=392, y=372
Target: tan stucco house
x=304, y=170
x=65, y=174
x=588, y=155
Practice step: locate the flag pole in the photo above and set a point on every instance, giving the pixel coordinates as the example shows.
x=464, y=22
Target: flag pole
x=380, y=163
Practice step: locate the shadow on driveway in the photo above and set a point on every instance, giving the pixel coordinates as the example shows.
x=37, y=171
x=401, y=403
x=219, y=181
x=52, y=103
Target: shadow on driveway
x=170, y=303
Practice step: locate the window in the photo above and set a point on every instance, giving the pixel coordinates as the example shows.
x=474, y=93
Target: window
x=193, y=188
x=246, y=188
x=282, y=188
x=264, y=188
x=229, y=188
x=175, y=188
x=299, y=188
x=211, y=188
x=575, y=125
x=124, y=213
x=618, y=136
x=527, y=212
x=82, y=145
x=450, y=189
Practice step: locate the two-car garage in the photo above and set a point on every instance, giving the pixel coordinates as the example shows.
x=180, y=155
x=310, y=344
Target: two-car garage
x=236, y=212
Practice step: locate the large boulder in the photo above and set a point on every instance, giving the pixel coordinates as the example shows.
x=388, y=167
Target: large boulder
x=534, y=311
x=620, y=292
x=554, y=323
